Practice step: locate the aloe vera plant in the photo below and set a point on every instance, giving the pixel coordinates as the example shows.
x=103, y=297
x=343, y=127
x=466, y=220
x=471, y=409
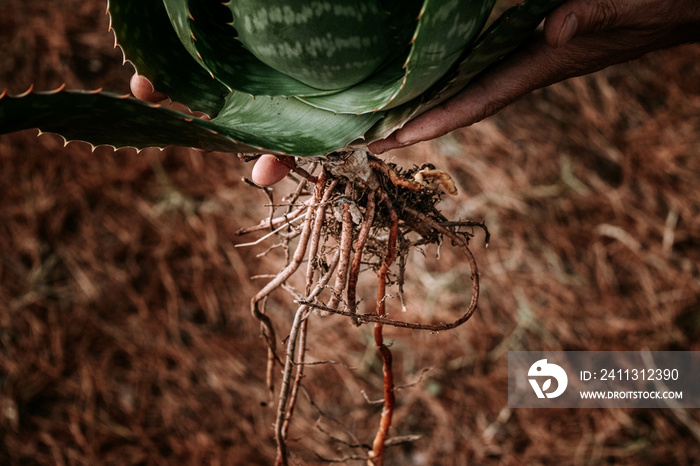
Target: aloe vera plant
x=294, y=77
x=303, y=78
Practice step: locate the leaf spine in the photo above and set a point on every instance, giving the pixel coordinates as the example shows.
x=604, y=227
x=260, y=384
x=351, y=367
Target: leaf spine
x=27, y=92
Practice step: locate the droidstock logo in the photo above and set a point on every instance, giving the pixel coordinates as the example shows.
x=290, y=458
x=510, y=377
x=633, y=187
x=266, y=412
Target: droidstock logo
x=541, y=370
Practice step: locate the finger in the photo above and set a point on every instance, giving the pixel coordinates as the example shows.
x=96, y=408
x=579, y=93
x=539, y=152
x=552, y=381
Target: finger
x=671, y=25
x=143, y=89
x=560, y=27
x=268, y=170
x=544, y=61
x=480, y=99
x=577, y=17
x=535, y=65
x=383, y=145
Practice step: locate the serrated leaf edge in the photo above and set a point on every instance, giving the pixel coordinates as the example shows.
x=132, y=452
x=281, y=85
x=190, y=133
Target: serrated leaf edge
x=62, y=88
x=126, y=60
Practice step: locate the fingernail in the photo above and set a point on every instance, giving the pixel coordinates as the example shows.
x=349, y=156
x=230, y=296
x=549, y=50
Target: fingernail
x=568, y=30
x=405, y=138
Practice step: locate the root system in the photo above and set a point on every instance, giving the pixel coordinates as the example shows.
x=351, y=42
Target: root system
x=360, y=214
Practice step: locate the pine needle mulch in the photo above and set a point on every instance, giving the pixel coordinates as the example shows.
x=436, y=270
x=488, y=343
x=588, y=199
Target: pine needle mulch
x=125, y=334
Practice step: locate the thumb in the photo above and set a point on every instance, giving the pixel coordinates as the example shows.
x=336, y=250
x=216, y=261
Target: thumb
x=579, y=17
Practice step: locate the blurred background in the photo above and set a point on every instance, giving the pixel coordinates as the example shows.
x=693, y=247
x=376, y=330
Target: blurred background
x=125, y=333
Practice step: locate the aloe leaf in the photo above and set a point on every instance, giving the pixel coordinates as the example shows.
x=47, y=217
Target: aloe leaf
x=220, y=52
x=103, y=118
x=245, y=124
x=444, y=29
x=326, y=45
x=401, y=22
x=509, y=31
x=145, y=34
x=286, y=125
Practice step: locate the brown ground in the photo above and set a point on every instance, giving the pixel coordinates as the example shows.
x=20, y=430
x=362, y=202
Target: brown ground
x=125, y=333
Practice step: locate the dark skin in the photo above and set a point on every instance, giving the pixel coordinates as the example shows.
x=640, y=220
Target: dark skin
x=579, y=37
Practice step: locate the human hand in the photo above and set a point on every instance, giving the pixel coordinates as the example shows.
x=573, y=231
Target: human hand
x=268, y=169
x=579, y=37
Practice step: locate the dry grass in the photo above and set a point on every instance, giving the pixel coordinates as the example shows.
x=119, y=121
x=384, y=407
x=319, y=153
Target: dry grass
x=124, y=323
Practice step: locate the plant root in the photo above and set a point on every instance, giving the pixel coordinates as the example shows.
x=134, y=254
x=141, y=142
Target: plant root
x=376, y=456
x=386, y=206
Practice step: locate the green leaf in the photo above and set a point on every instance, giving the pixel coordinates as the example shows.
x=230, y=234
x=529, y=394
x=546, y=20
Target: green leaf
x=443, y=31
x=171, y=54
x=402, y=19
x=103, y=118
x=220, y=52
x=286, y=125
x=245, y=124
x=508, y=32
x=144, y=32
x=326, y=45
